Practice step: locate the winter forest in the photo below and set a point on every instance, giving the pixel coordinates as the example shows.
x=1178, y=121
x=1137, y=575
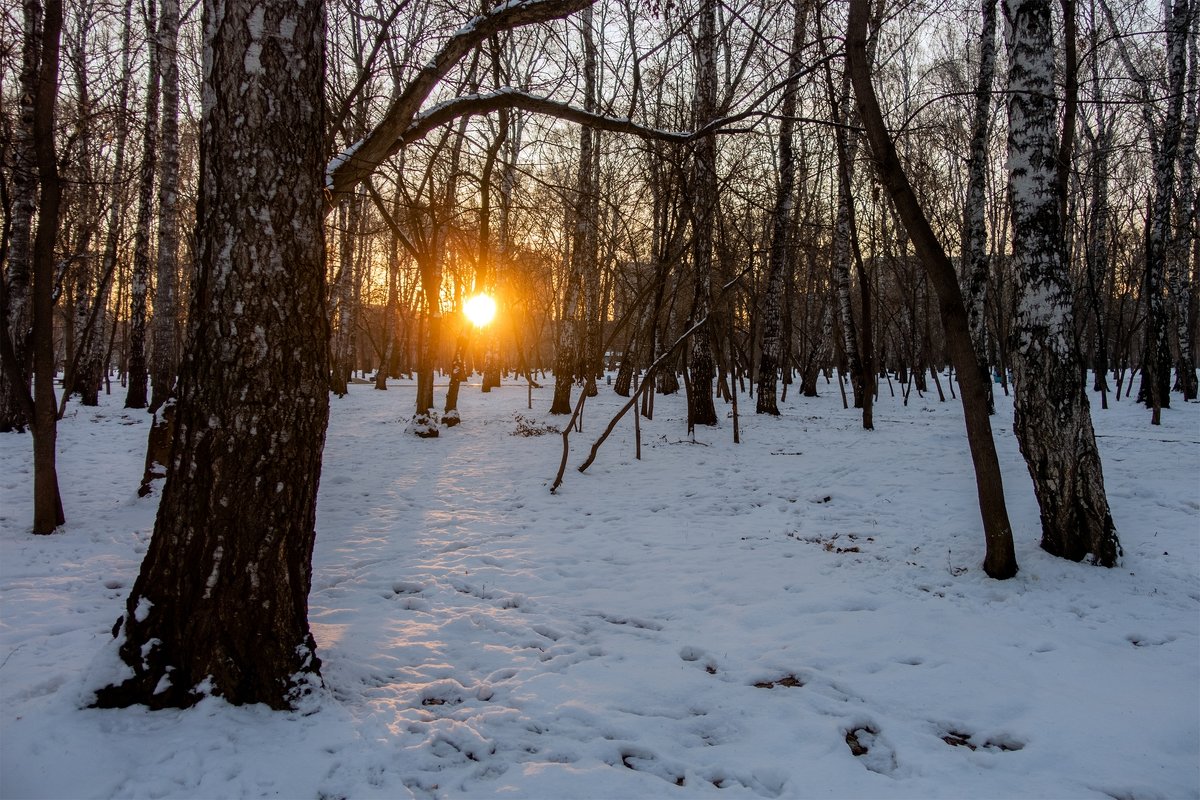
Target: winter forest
x=598, y=398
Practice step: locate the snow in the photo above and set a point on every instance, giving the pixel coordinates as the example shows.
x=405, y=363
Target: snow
x=711, y=621
x=341, y=158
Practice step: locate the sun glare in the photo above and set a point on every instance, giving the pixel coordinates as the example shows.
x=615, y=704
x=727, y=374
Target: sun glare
x=480, y=309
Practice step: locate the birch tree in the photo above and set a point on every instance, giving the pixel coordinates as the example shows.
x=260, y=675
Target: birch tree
x=163, y=363
x=235, y=525
x=17, y=307
x=137, y=392
x=781, y=256
x=1052, y=419
x=974, y=238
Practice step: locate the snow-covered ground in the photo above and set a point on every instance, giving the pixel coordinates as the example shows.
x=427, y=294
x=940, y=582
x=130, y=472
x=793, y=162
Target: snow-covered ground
x=715, y=620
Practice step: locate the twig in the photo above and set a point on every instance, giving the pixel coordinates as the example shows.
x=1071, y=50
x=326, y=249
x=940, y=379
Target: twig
x=566, y=434
x=648, y=381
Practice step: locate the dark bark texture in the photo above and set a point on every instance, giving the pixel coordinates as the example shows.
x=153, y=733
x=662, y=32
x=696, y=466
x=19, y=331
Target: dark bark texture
x=220, y=605
x=47, y=502
x=137, y=394
x=701, y=410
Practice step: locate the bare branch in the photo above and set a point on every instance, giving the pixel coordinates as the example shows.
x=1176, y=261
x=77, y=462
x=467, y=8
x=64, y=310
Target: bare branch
x=361, y=159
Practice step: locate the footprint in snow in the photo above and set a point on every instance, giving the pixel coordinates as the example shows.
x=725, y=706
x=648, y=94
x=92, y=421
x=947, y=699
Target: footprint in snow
x=695, y=655
x=866, y=743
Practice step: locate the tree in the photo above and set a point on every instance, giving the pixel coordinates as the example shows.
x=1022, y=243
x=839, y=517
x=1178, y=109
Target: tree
x=781, y=255
x=47, y=502
x=1052, y=418
x=220, y=604
x=137, y=395
x=701, y=410
x=974, y=237
x=163, y=364
x=17, y=307
x=1000, y=560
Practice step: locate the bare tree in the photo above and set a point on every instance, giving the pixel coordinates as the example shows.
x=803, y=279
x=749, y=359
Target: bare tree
x=974, y=238
x=17, y=306
x=701, y=410
x=235, y=526
x=782, y=253
x=1000, y=559
x=164, y=360
x=1053, y=421
x=137, y=394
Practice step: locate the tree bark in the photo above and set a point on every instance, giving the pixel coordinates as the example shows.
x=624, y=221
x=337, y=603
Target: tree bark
x=701, y=410
x=781, y=255
x=47, y=502
x=18, y=308
x=975, y=239
x=1182, y=41
x=137, y=393
x=1052, y=418
x=164, y=363
x=220, y=604
x=587, y=225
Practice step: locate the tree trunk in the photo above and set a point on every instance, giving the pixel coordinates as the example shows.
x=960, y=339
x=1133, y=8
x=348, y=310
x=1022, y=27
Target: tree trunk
x=587, y=244
x=1000, y=560
x=701, y=410
x=164, y=363
x=339, y=376
x=565, y=358
x=47, y=502
x=137, y=394
x=780, y=258
x=1052, y=420
x=1179, y=255
x=390, y=314
x=15, y=385
x=1096, y=251
x=220, y=604
x=975, y=239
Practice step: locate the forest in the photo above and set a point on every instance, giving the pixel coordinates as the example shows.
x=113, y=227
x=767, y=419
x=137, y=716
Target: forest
x=230, y=219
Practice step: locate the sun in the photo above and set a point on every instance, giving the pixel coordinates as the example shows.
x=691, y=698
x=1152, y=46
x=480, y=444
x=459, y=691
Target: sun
x=480, y=309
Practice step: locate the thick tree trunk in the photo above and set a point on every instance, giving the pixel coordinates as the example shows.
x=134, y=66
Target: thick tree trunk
x=1000, y=559
x=220, y=604
x=47, y=502
x=137, y=393
x=1053, y=422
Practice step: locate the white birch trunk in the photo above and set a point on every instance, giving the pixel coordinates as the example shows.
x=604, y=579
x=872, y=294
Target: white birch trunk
x=1053, y=420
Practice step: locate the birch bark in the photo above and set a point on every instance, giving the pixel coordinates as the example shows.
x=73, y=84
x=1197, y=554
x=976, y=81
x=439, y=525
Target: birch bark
x=1052, y=419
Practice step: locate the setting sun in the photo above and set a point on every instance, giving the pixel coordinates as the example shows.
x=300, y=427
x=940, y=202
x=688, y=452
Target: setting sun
x=480, y=309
